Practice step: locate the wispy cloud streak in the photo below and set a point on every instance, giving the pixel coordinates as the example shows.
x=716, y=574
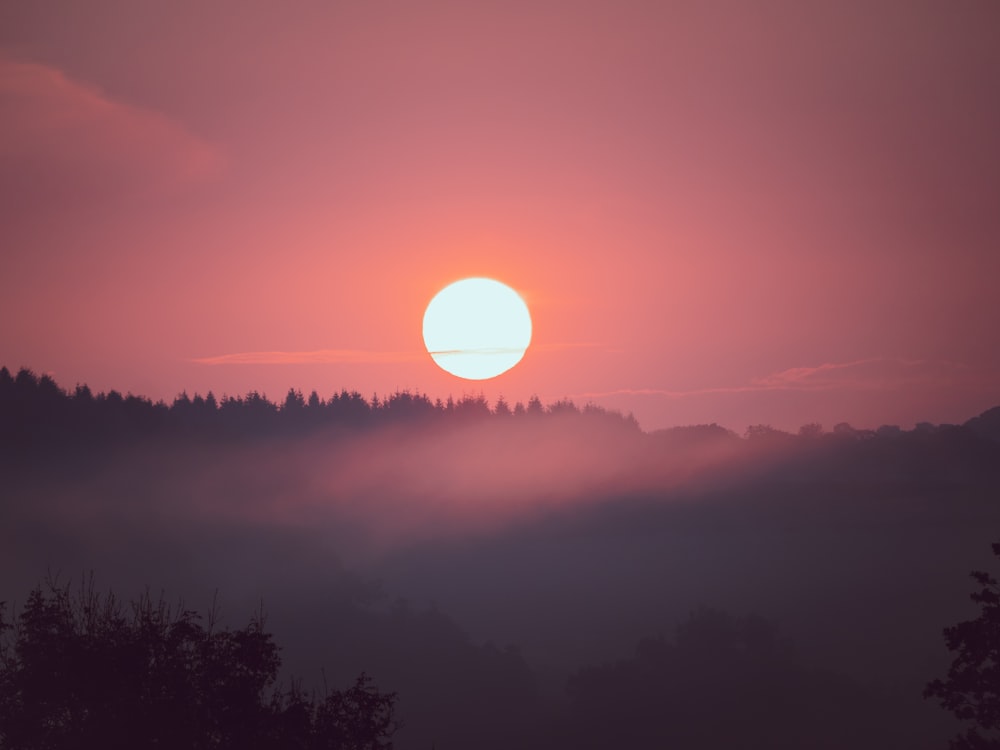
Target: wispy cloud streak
x=76, y=129
x=319, y=356
x=358, y=356
x=881, y=373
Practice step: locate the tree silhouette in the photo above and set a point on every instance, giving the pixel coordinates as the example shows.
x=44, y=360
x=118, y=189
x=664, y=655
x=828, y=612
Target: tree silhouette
x=85, y=670
x=39, y=417
x=971, y=690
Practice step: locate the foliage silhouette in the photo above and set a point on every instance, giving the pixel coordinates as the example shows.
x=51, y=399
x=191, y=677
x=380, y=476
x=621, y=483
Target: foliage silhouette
x=84, y=670
x=971, y=690
x=39, y=416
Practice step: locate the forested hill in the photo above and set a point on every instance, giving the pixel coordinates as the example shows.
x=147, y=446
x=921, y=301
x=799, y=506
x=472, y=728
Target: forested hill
x=36, y=409
x=38, y=418
x=469, y=447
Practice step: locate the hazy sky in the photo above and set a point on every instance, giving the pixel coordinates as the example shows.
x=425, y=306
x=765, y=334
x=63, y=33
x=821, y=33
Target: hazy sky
x=717, y=212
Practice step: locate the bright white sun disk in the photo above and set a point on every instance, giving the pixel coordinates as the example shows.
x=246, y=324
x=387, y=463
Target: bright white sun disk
x=477, y=328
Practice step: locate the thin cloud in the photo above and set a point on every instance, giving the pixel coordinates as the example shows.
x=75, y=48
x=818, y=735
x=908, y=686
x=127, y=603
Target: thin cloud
x=57, y=132
x=558, y=347
x=355, y=356
x=319, y=356
x=880, y=373
x=664, y=392
x=867, y=374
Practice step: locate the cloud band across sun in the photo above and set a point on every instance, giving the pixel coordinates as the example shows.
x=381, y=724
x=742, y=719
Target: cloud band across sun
x=350, y=356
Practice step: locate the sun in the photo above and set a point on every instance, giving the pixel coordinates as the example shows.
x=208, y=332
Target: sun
x=477, y=328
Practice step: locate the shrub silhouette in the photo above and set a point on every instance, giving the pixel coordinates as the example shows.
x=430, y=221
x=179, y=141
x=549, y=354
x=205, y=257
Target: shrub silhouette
x=972, y=688
x=85, y=670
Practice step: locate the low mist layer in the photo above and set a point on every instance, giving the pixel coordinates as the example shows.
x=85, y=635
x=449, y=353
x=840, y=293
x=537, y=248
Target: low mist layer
x=503, y=566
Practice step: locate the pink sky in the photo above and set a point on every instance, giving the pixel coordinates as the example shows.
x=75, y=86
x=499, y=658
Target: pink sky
x=775, y=212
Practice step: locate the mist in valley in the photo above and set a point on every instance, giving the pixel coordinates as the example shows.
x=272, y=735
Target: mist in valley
x=529, y=575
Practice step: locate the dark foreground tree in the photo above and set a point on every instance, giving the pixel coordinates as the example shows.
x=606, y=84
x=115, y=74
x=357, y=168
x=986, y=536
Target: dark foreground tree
x=84, y=670
x=971, y=690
